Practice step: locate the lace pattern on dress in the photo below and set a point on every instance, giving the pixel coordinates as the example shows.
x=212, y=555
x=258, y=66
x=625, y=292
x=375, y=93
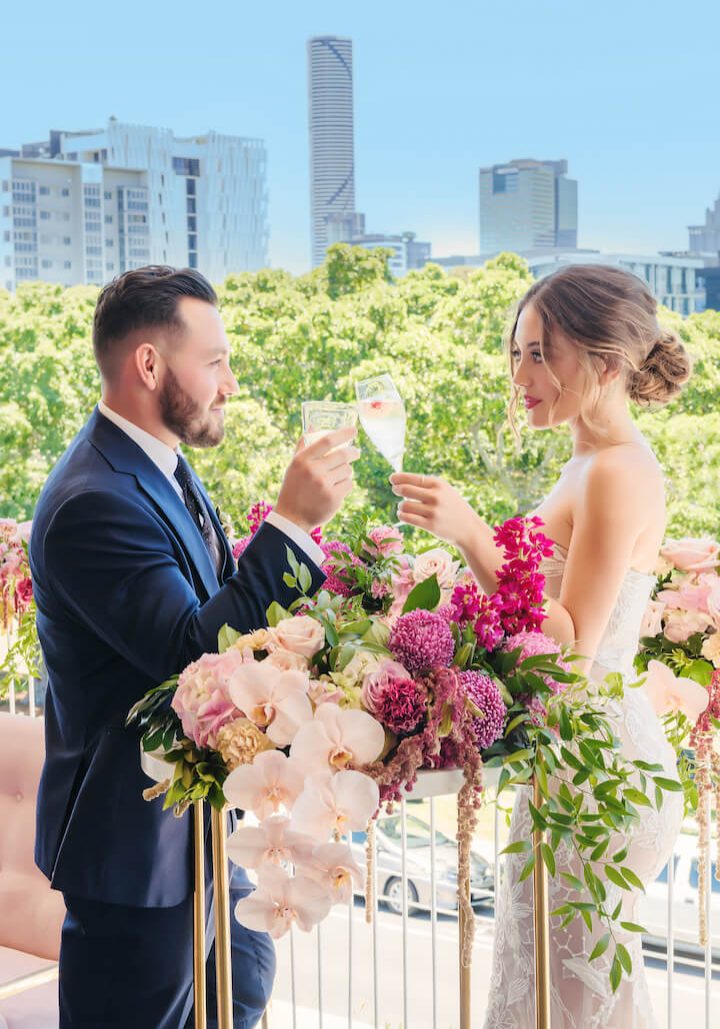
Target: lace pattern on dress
x=581, y=997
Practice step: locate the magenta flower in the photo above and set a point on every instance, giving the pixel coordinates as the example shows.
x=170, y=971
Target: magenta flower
x=257, y=515
x=465, y=602
x=488, y=627
x=402, y=705
x=338, y=577
x=240, y=546
x=485, y=695
x=421, y=640
x=532, y=644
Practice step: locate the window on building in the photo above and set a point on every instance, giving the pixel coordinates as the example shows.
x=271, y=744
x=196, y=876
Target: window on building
x=108, y=219
x=190, y=205
x=46, y=263
x=190, y=185
x=109, y=243
x=108, y=194
x=67, y=241
x=192, y=261
x=44, y=191
x=192, y=223
x=65, y=192
x=45, y=216
x=192, y=242
x=67, y=264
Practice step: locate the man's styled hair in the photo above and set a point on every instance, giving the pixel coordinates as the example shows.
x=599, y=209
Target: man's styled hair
x=144, y=298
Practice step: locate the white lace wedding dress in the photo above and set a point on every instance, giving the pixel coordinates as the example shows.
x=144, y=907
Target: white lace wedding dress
x=581, y=997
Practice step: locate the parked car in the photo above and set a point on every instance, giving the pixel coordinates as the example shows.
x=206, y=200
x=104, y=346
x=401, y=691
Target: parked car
x=388, y=878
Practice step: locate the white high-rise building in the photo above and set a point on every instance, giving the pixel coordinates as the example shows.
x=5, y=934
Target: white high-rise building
x=527, y=205
x=706, y=238
x=199, y=202
x=70, y=223
x=332, y=146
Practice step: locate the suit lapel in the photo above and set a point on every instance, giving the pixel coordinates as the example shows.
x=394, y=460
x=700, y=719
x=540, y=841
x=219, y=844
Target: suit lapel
x=127, y=457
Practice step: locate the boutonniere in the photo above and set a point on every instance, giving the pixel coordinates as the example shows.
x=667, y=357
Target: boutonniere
x=226, y=523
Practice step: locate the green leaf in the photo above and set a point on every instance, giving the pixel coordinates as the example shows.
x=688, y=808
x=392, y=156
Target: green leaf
x=615, y=974
x=292, y=561
x=425, y=595
x=632, y=878
x=548, y=858
x=565, y=728
x=624, y=957
x=275, y=613
x=226, y=637
x=305, y=579
x=615, y=876
x=600, y=947
x=671, y=785
x=527, y=868
x=289, y=580
x=518, y=847
x=572, y=880
x=630, y=793
x=633, y=927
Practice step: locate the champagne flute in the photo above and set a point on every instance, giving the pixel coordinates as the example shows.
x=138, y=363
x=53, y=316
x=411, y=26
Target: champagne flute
x=382, y=416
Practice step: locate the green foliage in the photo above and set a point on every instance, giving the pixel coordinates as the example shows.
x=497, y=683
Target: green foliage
x=309, y=338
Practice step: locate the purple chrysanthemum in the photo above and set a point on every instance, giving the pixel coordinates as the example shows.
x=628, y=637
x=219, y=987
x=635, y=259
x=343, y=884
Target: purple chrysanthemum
x=485, y=695
x=421, y=640
x=532, y=644
x=334, y=566
x=402, y=705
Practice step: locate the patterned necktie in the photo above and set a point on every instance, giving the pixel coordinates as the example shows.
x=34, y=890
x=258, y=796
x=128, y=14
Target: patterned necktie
x=198, y=510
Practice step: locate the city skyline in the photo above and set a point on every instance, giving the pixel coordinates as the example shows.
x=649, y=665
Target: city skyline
x=434, y=101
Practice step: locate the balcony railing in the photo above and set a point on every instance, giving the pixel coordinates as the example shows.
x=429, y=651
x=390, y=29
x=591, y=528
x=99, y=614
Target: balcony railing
x=402, y=969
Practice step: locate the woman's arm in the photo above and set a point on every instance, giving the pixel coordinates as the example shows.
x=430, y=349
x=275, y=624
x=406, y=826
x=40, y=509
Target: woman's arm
x=610, y=516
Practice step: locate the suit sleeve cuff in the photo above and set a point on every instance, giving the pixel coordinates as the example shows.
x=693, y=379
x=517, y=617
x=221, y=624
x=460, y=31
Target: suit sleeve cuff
x=306, y=543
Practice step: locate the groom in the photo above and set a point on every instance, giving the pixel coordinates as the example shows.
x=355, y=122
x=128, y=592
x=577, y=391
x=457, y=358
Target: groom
x=133, y=578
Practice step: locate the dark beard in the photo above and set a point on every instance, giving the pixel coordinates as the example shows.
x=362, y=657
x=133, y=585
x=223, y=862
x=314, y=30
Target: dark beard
x=182, y=416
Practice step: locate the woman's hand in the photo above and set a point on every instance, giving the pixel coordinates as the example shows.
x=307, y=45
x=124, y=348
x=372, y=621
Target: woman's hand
x=435, y=505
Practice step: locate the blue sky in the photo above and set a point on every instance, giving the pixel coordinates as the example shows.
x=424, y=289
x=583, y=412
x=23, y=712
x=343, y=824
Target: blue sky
x=626, y=91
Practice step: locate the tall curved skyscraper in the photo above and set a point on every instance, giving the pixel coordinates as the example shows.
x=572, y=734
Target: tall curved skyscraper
x=332, y=144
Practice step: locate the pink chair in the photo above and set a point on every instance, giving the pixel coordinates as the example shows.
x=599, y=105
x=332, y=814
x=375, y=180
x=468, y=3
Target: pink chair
x=31, y=914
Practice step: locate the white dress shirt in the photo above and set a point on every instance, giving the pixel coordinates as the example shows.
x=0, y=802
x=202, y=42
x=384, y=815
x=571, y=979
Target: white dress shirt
x=166, y=460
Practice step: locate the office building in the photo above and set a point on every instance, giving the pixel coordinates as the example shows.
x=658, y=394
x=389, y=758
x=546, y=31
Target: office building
x=332, y=142
x=527, y=205
x=199, y=202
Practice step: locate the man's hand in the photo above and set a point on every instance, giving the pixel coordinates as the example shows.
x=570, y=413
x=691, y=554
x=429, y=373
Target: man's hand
x=318, y=479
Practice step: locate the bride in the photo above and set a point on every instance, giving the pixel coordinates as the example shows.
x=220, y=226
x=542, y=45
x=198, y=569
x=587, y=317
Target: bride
x=585, y=340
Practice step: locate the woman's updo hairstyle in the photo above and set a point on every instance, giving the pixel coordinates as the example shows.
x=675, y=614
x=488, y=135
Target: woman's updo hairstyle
x=611, y=316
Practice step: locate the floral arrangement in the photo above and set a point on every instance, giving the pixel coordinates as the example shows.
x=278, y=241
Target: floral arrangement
x=19, y=647
x=680, y=652
x=399, y=664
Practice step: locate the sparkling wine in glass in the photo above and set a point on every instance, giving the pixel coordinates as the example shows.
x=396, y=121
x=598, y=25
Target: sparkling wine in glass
x=382, y=416
x=319, y=417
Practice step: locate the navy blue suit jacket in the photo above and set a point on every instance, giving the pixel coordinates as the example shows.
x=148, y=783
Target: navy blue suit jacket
x=127, y=596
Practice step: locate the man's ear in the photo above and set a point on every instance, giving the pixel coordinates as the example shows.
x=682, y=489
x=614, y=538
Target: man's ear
x=147, y=361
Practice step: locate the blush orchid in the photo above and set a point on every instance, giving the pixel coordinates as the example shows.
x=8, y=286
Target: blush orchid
x=272, y=842
x=274, y=699
x=337, y=737
x=271, y=782
x=335, y=803
x=281, y=901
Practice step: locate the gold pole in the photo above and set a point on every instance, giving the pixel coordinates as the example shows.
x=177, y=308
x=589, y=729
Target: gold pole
x=465, y=912
x=542, y=934
x=199, y=984
x=465, y=994
x=223, y=965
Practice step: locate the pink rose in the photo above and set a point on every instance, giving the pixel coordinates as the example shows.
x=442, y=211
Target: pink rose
x=681, y=625
x=652, y=619
x=436, y=562
x=202, y=700
x=376, y=683
x=322, y=692
x=301, y=635
x=710, y=582
x=692, y=555
x=386, y=541
x=286, y=661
